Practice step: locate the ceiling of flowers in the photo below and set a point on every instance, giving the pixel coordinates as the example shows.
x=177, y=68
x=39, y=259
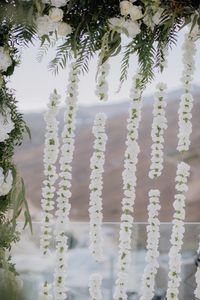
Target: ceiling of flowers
x=85, y=28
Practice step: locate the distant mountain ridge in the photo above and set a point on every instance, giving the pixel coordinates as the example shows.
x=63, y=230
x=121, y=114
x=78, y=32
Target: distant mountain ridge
x=29, y=159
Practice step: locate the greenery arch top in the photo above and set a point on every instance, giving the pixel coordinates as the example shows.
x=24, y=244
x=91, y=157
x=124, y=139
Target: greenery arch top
x=83, y=28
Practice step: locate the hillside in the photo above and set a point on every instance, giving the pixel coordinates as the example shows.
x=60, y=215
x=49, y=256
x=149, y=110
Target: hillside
x=29, y=160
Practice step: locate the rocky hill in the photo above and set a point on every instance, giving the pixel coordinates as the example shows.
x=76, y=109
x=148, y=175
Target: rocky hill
x=29, y=160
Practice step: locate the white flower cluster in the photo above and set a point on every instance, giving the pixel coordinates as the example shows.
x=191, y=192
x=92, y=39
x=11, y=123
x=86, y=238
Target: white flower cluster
x=96, y=186
x=133, y=11
x=6, y=124
x=64, y=194
x=186, y=104
x=197, y=277
x=45, y=292
x=56, y=3
x=53, y=21
x=130, y=28
x=6, y=182
x=102, y=84
x=132, y=18
x=95, y=282
x=51, y=151
x=129, y=184
x=158, y=127
x=5, y=59
x=182, y=174
x=153, y=236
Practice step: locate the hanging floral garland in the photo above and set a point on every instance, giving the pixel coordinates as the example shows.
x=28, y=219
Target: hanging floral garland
x=64, y=194
x=45, y=291
x=158, y=127
x=183, y=172
x=185, y=129
x=96, y=186
x=186, y=104
x=102, y=82
x=95, y=282
x=129, y=184
x=153, y=231
x=51, y=151
x=153, y=236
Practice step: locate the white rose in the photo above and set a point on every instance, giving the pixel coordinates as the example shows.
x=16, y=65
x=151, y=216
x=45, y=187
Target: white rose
x=116, y=24
x=5, y=59
x=45, y=25
x=125, y=7
x=59, y=3
x=133, y=28
x=135, y=13
x=64, y=29
x=56, y=14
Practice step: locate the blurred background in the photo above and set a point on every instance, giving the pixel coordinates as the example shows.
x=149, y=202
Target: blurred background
x=33, y=84
x=34, y=268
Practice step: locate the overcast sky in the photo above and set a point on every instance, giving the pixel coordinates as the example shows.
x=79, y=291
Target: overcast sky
x=33, y=81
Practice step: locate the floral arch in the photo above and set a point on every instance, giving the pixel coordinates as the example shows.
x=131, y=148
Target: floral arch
x=84, y=28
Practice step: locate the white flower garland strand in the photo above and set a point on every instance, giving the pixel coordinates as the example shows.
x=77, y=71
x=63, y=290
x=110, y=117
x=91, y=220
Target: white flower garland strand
x=158, y=127
x=51, y=151
x=153, y=237
x=129, y=184
x=102, y=83
x=186, y=104
x=183, y=172
x=96, y=186
x=64, y=194
x=153, y=230
x=95, y=282
x=197, y=277
x=45, y=291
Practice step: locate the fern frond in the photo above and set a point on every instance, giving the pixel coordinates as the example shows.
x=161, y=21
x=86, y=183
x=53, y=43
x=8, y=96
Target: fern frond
x=86, y=53
x=23, y=34
x=126, y=60
x=44, y=48
x=63, y=53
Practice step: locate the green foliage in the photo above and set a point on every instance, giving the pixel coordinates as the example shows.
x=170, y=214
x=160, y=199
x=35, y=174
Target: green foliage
x=8, y=279
x=62, y=56
x=16, y=136
x=91, y=34
x=15, y=200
